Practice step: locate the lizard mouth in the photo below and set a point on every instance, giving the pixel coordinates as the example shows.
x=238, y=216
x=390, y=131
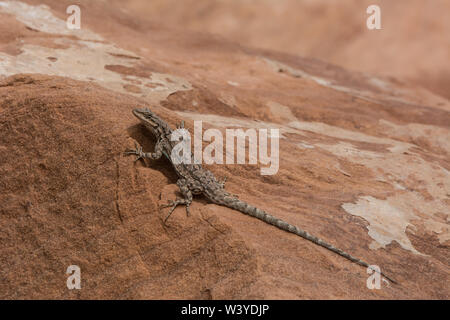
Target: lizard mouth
x=142, y=113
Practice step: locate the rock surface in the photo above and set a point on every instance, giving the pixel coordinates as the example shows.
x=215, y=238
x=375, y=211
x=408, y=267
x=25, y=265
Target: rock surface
x=413, y=44
x=364, y=164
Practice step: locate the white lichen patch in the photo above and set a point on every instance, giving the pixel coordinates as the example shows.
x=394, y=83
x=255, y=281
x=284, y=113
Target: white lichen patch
x=386, y=222
x=83, y=60
x=389, y=219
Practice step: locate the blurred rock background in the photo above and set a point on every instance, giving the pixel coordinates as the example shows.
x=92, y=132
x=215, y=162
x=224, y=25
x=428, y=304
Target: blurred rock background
x=413, y=45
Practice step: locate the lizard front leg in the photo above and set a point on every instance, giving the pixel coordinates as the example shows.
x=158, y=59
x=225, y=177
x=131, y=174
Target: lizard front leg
x=181, y=125
x=142, y=155
x=187, y=200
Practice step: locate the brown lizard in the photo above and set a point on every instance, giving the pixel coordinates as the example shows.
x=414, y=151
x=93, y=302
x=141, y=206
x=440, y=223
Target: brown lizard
x=195, y=180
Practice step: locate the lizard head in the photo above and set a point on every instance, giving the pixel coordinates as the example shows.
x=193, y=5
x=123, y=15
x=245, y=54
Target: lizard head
x=148, y=118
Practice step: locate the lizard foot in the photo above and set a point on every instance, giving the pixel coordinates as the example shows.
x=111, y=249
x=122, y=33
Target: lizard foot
x=138, y=152
x=181, y=125
x=173, y=204
x=222, y=183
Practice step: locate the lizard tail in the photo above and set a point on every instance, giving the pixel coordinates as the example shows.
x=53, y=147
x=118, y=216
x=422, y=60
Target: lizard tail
x=246, y=208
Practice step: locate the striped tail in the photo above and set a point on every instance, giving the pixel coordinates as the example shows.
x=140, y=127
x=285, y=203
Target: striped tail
x=246, y=208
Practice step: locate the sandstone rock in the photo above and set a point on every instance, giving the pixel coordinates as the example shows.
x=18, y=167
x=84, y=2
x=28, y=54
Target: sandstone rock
x=413, y=44
x=363, y=164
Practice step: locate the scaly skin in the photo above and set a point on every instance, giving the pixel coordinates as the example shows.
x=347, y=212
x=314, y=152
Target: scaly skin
x=195, y=180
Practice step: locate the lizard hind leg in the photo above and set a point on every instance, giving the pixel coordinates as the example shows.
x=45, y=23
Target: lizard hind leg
x=222, y=184
x=187, y=200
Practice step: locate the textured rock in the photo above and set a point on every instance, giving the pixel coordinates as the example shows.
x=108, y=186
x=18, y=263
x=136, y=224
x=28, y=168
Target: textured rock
x=414, y=42
x=363, y=164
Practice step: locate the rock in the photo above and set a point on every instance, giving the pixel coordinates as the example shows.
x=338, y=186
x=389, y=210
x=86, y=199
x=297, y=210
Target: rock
x=413, y=44
x=363, y=164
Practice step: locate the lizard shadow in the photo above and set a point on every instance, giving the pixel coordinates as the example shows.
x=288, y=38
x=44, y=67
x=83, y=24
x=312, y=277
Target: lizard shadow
x=147, y=141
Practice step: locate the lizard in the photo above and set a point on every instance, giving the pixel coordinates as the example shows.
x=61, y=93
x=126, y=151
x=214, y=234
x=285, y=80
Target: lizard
x=196, y=180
